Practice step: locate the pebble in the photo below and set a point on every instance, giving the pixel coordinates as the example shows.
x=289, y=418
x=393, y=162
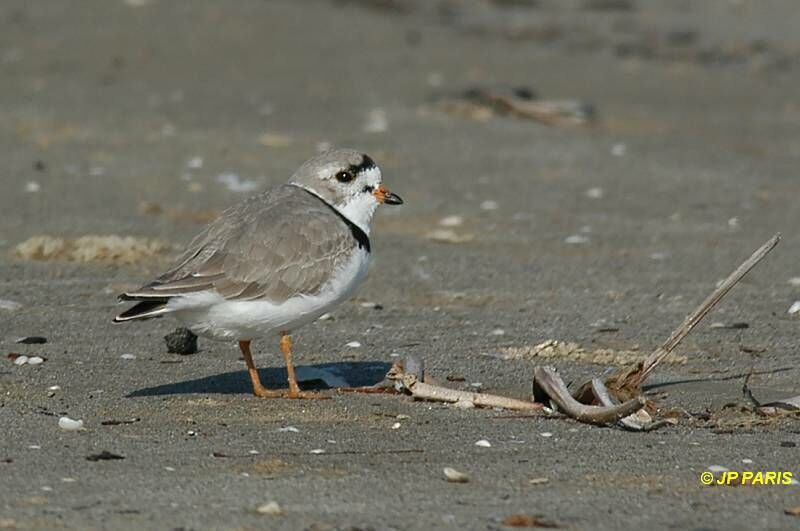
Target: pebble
x=747, y=461
x=396, y=426
x=402, y=417
x=325, y=317
x=537, y=481
x=181, y=341
x=54, y=388
x=483, y=443
x=576, y=239
x=32, y=187
x=353, y=344
x=489, y=205
x=448, y=236
x=128, y=356
x=234, y=183
x=169, y=468
x=794, y=308
x=21, y=360
x=288, y=429
x=451, y=221
x=68, y=424
x=317, y=451
x=253, y=452
x=454, y=476
x=274, y=140
x=270, y=508
x=546, y=434
x=497, y=332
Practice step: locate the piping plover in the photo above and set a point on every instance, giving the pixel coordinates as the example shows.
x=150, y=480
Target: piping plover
x=275, y=261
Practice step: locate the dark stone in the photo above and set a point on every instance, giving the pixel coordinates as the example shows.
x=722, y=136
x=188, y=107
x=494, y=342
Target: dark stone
x=181, y=341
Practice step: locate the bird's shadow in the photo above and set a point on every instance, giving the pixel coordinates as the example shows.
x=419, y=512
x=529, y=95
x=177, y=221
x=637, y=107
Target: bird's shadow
x=320, y=376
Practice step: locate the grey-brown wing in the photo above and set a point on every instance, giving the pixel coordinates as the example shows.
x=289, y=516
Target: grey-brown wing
x=273, y=246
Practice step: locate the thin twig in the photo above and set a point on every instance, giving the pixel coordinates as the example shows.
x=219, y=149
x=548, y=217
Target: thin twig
x=697, y=315
x=548, y=381
x=424, y=391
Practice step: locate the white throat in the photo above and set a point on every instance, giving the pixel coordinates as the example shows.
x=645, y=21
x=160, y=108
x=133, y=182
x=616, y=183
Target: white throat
x=358, y=209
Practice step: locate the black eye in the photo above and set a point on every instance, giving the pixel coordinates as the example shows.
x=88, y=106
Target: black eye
x=345, y=176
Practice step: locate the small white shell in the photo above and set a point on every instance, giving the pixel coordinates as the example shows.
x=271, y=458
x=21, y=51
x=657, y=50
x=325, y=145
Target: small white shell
x=454, y=476
x=483, y=443
x=68, y=424
x=35, y=360
x=353, y=344
x=21, y=360
x=270, y=508
x=794, y=308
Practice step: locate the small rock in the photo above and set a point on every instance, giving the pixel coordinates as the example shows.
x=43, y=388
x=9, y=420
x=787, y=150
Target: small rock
x=454, y=476
x=195, y=163
x=128, y=356
x=270, y=508
x=32, y=187
x=353, y=344
x=54, y=388
x=291, y=429
x=794, y=308
x=325, y=317
x=68, y=424
x=182, y=341
x=317, y=451
x=376, y=122
x=497, y=332
x=20, y=360
x=483, y=443
x=546, y=434
x=537, y=481
x=396, y=426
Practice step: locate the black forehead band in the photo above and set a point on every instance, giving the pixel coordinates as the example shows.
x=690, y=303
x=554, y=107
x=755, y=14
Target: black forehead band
x=366, y=164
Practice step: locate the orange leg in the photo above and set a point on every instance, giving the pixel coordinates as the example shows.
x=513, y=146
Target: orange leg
x=294, y=389
x=258, y=389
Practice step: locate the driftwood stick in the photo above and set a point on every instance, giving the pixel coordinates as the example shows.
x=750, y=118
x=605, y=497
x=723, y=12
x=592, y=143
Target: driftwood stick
x=424, y=391
x=701, y=311
x=548, y=381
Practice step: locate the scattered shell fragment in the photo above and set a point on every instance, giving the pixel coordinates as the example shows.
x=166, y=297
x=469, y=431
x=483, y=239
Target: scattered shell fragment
x=401, y=416
x=234, y=183
x=794, y=281
x=497, y=332
x=288, y=429
x=376, y=122
x=794, y=308
x=448, y=236
x=454, y=476
x=553, y=348
x=68, y=424
x=325, y=317
x=619, y=150
x=464, y=404
x=353, y=344
x=537, y=481
x=576, y=239
x=317, y=451
x=35, y=360
x=194, y=163
x=128, y=356
x=270, y=508
x=451, y=221
x=20, y=360
x=489, y=205
x=483, y=443
x=54, y=388
x=546, y=434
x=595, y=193
x=9, y=305
x=396, y=426
x=32, y=187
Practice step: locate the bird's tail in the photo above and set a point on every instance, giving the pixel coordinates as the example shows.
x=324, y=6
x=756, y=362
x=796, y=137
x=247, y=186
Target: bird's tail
x=148, y=308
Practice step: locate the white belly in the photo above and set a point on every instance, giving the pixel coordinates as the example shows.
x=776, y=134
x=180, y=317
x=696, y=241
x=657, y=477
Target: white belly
x=209, y=315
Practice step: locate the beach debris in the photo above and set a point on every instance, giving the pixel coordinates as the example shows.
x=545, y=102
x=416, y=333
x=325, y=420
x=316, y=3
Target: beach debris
x=110, y=249
x=529, y=520
x=68, y=424
x=35, y=360
x=451, y=221
x=32, y=187
x=595, y=193
x=576, y=239
x=9, y=305
x=32, y=340
x=181, y=341
x=538, y=481
x=738, y=325
x=483, y=443
x=555, y=348
x=792, y=511
x=234, y=183
x=489, y=205
x=619, y=150
x=105, y=455
x=317, y=451
x=794, y=308
x=769, y=409
x=794, y=281
x=18, y=359
x=454, y=476
x=448, y=236
x=519, y=102
x=353, y=344
x=270, y=508
x=128, y=357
